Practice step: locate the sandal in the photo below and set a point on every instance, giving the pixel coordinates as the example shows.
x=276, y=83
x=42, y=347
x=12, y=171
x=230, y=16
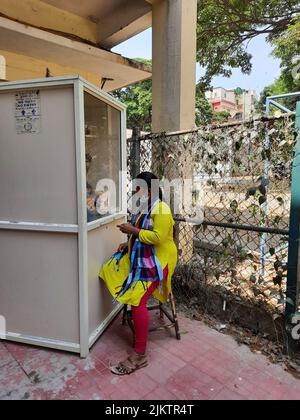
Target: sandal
x=130, y=365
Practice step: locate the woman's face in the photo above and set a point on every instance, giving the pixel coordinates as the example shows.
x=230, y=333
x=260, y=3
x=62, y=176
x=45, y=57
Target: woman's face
x=143, y=194
x=142, y=191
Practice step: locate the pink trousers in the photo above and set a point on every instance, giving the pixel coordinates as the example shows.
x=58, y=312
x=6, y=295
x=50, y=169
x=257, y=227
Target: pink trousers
x=140, y=316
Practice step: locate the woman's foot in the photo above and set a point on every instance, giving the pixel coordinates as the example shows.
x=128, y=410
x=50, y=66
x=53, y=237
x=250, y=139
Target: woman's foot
x=131, y=364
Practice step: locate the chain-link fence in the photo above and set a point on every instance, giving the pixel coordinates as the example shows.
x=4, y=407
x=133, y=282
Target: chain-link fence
x=236, y=254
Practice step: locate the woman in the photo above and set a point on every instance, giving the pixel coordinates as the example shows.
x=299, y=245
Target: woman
x=143, y=266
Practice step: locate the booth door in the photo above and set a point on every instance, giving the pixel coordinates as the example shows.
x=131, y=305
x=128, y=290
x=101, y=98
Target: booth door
x=103, y=195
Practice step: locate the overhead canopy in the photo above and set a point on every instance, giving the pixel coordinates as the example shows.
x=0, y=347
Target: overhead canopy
x=39, y=44
x=117, y=20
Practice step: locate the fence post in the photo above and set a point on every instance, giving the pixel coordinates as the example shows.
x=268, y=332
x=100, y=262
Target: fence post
x=135, y=153
x=267, y=166
x=134, y=164
x=294, y=252
x=135, y=156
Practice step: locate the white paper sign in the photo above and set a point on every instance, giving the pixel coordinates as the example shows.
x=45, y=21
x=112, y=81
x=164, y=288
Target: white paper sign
x=28, y=112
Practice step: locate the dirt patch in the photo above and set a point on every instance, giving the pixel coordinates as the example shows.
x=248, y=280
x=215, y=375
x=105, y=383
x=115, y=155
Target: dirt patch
x=219, y=302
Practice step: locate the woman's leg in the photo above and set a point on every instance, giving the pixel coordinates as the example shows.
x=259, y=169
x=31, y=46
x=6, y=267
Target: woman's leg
x=140, y=316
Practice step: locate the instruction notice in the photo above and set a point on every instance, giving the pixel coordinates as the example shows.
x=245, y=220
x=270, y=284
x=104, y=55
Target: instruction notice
x=28, y=112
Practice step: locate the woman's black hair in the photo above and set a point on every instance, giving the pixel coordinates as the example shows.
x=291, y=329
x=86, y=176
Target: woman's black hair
x=148, y=177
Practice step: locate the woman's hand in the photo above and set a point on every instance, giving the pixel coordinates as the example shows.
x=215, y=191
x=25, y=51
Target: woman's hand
x=122, y=247
x=129, y=229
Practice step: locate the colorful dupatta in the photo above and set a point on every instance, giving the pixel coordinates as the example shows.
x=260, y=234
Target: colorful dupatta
x=144, y=265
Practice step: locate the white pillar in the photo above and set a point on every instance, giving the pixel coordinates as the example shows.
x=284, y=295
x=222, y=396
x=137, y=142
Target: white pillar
x=174, y=64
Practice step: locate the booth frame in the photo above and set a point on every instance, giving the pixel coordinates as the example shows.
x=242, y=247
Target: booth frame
x=80, y=86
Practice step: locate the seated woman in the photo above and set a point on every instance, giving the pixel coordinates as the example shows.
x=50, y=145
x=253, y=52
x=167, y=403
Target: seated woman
x=143, y=266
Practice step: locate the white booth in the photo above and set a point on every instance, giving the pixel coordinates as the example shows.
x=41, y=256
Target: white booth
x=59, y=137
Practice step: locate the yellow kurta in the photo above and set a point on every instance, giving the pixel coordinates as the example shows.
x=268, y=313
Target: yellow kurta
x=161, y=236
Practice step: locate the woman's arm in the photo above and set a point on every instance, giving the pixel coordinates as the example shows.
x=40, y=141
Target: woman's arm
x=129, y=229
x=161, y=226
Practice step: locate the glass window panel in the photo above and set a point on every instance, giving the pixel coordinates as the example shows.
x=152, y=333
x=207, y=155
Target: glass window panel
x=103, y=157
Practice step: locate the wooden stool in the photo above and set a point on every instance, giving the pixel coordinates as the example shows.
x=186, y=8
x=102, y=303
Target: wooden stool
x=172, y=317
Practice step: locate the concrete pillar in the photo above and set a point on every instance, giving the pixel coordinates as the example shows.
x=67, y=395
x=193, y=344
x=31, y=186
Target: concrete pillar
x=174, y=64
x=174, y=85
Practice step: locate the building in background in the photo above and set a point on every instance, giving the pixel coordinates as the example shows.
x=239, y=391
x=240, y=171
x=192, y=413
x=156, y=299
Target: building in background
x=239, y=103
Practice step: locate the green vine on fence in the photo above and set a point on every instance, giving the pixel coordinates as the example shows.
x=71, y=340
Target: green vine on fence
x=244, y=173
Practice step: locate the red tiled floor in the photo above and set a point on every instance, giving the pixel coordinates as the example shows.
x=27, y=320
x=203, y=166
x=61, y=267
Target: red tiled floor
x=228, y=394
x=204, y=365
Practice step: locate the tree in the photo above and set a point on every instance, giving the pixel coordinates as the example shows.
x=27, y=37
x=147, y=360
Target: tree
x=238, y=92
x=287, y=49
x=221, y=117
x=204, y=112
x=138, y=99
x=277, y=88
x=225, y=26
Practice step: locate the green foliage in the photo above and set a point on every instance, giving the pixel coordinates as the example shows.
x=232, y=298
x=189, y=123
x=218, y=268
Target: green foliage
x=287, y=49
x=225, y=26
x=276, y=88
x=221, y=117
x=204, y=112
x=138, y=99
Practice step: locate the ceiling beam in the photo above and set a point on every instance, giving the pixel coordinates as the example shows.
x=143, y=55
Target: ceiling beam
x=128, y=31
x=125, y=22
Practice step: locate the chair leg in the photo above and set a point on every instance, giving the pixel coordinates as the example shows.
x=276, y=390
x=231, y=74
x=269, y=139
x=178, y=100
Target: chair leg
x=131, y=326
x=124, y=317
x=127, y=317
x=161, y=314
x=174, y=313
x=130, y=320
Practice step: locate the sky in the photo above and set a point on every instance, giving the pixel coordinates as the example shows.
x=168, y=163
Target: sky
x=265, y=67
